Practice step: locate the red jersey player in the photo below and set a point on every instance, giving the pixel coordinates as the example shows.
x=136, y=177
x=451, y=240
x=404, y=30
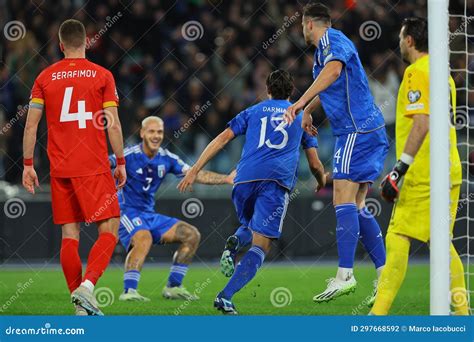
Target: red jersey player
x=76, y=95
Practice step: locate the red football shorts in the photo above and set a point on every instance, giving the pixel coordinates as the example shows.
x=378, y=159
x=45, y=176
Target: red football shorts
x=84, y=199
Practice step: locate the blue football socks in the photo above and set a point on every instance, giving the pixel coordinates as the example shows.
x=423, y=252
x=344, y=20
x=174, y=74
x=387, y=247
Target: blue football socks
x=371, y=237
x=130, y=280
x=347, y=233
x=177, y=273
x=244, y=272
x=244, y=234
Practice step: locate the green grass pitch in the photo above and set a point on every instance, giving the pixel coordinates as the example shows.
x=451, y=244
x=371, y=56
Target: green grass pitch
x=43, y=292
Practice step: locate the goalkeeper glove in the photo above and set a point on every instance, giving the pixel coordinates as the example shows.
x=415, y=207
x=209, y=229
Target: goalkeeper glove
x=390, y=184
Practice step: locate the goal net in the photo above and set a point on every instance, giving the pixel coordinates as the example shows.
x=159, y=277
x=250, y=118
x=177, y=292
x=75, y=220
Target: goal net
x=461, y=58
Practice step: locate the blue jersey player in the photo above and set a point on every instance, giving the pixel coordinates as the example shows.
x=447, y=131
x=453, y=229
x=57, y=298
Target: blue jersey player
x=341, y=86
x=266, y=174
x=147, y=164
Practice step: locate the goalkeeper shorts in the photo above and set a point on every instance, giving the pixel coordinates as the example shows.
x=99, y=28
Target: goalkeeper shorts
x=411, y=212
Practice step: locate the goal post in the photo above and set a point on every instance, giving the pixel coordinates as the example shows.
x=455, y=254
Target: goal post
x=438, y=33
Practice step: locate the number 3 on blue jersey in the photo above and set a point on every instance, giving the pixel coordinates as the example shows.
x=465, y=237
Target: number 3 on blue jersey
x=147, y=187
x=279, y=128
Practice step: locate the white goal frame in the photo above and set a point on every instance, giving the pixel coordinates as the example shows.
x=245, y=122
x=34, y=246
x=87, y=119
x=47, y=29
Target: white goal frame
x=438, y=40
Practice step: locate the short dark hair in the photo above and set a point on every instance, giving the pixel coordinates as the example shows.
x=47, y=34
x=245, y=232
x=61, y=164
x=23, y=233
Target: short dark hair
x=417, y=28
x=280, y=84
x=72, y=33
x=317, y=11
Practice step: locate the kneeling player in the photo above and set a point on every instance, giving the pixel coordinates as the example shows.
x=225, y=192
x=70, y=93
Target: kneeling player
x=266, y=174
x=141, y=226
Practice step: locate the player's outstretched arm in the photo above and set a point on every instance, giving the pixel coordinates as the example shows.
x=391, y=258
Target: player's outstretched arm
x=209, y=152
x=316, y=167
x=329, y=74
x=30, y=178
x=390, y=184
x=114, y=132
x=214, y=178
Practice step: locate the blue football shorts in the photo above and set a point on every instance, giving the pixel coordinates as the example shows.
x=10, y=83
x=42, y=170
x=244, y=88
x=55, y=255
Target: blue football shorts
x=132, y=220
x=261, y=206
x=359, y=157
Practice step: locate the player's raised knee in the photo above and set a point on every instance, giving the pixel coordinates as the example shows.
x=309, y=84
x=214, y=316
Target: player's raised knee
x=194, y=234
x=188, y=234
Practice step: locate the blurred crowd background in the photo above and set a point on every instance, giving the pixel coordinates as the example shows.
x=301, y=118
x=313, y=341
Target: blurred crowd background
x=198, y=77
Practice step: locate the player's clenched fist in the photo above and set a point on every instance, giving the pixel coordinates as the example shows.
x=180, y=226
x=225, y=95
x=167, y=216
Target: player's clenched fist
x=30, y=179
x=392, y=182
x=120, y=174
x=322, y=180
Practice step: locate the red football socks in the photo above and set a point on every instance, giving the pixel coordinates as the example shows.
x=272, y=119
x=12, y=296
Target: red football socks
x=71, y=263
x=99, y=256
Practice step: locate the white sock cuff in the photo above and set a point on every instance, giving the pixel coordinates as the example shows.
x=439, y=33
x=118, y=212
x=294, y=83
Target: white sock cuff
x=88, y=285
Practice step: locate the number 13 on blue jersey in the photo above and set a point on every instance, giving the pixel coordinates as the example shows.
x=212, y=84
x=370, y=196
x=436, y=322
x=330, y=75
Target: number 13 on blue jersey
x=280, y=128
